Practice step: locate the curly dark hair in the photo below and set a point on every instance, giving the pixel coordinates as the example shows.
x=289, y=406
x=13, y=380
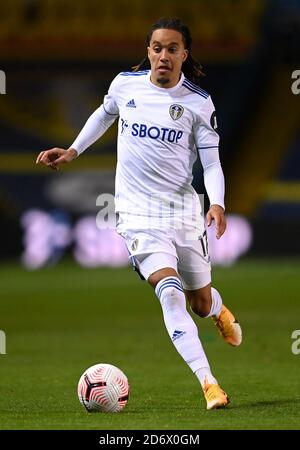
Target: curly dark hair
x=191, y=68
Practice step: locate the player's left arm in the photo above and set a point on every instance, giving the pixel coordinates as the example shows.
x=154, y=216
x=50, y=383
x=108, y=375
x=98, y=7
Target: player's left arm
x=216, y=213
x=207, y=142
x=215, y=188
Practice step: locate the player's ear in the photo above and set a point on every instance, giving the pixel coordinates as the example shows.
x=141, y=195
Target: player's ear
x=185, y=55
x=148, y=50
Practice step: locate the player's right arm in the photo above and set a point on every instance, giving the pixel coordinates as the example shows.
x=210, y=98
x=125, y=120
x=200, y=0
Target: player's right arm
x=94, y=128
x=207, y=143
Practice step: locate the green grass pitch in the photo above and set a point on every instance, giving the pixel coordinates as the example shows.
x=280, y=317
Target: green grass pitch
x=59, y=321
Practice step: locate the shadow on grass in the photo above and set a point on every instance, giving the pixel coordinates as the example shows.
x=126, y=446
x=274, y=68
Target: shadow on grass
x=233, y=406
x=267, y=403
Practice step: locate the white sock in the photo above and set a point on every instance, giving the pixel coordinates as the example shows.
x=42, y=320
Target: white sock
x=180, y=326
x=216, y=304
x=205, y=374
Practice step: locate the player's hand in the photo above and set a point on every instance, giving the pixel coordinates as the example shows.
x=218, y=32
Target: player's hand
x=54, y=157
x=216, y=213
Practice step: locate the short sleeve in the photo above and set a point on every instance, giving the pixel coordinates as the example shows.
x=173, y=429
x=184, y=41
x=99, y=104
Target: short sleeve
x=110, y=99
x=205, y=128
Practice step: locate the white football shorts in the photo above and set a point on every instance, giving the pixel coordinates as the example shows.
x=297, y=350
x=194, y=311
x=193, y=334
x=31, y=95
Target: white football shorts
x=186, y=252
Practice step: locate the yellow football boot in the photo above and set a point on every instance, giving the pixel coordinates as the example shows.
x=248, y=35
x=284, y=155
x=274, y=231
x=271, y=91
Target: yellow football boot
x=228, y=327
x=215, y=397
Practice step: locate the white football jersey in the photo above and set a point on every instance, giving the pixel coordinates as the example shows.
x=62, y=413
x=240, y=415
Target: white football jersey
x=160, y=132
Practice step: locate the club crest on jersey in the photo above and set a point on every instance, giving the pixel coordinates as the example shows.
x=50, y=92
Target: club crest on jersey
x=176, y=111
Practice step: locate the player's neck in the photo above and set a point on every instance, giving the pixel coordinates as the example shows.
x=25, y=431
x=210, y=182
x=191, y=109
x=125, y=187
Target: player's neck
x=165, y=83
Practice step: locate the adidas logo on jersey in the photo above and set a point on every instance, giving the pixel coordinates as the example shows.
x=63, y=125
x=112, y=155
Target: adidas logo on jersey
x=177, y=334
x=131, y=104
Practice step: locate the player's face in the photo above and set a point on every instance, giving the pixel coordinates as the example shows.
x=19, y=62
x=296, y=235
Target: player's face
x=166, y=54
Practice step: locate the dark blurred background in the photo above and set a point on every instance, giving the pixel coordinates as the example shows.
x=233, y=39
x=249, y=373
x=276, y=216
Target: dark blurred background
x=59, y=58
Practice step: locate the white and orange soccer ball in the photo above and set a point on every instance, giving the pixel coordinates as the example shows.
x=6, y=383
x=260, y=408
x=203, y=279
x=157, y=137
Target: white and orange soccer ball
x=103, y=388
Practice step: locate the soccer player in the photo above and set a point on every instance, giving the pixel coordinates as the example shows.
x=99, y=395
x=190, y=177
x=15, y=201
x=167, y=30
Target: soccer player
x=165, y=121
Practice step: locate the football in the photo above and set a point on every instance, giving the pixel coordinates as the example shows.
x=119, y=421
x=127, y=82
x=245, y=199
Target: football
x=103, y=388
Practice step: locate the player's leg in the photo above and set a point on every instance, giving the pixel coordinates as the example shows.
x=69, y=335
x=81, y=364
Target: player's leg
x=160, y=270
x=184, y=334
x=181, y=327
x=195, y=272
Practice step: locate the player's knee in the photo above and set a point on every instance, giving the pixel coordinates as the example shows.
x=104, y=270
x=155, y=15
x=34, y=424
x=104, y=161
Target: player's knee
x=160, y=275
x=170, y=294
x=170, y=299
